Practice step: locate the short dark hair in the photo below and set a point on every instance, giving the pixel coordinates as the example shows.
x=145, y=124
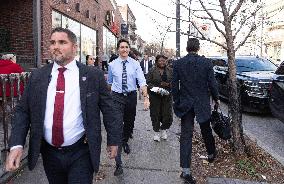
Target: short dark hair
x=193, y=45
x=120, y=41
x=72, y=37
x=87, y=57
x=160, y=56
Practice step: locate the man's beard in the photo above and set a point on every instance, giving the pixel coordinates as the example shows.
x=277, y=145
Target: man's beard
x=60, y=60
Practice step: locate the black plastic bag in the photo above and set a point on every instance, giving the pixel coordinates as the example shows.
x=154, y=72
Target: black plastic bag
x=221, y=124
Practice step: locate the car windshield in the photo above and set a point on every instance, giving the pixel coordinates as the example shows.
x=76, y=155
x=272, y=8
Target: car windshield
x=280, y=70
x=257, y=64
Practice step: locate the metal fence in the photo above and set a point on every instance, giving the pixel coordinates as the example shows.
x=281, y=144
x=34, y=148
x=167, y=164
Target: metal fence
x=11, y=88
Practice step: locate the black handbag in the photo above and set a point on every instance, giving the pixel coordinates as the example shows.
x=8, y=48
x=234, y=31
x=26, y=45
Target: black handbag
x=221, y=124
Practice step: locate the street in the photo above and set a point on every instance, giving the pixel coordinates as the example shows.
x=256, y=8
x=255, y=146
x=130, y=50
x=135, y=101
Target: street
x=152, y=162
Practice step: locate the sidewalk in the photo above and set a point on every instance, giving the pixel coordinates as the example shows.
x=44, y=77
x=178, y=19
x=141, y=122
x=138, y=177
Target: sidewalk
x=148, y=163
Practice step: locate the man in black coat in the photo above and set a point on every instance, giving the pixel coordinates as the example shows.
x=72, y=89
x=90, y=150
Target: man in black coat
x=60, y=108
x=193, y=81
x=146, y=64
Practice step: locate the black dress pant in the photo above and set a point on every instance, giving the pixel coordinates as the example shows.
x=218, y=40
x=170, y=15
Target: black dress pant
x=69, y=165
x=125, y=106
x=187, y=125
x=161, y=111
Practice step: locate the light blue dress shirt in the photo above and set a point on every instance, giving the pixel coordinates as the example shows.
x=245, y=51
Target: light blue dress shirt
x=133, y=70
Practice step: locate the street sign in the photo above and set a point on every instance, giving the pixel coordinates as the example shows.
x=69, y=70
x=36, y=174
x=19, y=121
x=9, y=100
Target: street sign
x=124, y=29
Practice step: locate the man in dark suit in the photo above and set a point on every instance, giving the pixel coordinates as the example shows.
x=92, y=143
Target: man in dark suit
x=193, y=81
x=146, y=64
x=60, y=108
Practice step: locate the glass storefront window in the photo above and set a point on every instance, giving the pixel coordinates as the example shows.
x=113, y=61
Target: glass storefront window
x=109, y=42
x=56, y=19
x=86, y=37
x=88, y=43
x=75, y=28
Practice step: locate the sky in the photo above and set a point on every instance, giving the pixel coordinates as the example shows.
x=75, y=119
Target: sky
x=152, y=26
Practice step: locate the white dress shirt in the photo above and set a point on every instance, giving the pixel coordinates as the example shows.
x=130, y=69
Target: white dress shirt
x=146, y=66
x=73, y=128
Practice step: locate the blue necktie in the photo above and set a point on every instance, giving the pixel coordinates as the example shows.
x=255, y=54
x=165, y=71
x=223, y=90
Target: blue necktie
x=124, y=78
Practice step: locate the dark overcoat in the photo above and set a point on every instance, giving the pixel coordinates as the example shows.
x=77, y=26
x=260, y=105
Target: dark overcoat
x=193, y=82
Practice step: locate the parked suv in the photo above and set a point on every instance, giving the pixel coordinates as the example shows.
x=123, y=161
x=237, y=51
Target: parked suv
x=276, y=101
x=254, y=75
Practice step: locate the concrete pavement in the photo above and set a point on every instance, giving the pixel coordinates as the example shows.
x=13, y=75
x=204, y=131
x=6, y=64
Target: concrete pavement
x=148, y=163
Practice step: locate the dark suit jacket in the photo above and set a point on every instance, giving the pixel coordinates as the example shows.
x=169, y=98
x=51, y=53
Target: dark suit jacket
x=193, y=81
x=30, y=112
x=150, y=65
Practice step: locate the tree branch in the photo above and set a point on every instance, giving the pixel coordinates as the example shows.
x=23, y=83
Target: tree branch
x=212, y=18
x=230, y=5
x=203, y=37
x=245, y=20
x=209, y=9
x=208, y=39
x=224, y=10
x=235, y=11
x=208, y=18
x=186, y=7
x=253, y=27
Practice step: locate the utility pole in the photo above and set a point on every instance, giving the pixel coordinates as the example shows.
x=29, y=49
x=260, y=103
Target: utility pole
x=177, y=28
x=189, y=23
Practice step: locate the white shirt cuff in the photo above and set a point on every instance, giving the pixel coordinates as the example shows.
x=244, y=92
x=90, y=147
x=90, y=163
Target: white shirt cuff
x=14, y=147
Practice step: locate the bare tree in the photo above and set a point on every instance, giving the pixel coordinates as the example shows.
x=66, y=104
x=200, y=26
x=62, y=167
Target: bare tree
x=233, y=17
x=229, y=17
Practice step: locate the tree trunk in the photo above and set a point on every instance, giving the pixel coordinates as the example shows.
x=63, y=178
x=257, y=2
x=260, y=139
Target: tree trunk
x=235, y=113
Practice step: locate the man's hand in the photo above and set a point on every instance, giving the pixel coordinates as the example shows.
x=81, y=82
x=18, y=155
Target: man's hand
x=146, y=103
x=112, y=151
x=13, y=159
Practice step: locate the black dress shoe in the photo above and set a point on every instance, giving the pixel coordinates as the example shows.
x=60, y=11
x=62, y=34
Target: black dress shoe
x=188, y=178
x=126, y=148
x=118, y=170
x=212, y=157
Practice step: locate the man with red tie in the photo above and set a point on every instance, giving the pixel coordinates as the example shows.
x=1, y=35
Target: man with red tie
x=61, y=108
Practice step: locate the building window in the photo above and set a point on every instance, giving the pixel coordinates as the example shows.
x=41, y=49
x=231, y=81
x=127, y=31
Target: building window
x=56, y=19
x=75, y=27
x=86, y=37
x=88, y=42
x=109, y=41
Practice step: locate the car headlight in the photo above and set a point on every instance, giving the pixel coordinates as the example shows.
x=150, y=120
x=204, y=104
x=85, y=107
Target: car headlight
x=257, y=88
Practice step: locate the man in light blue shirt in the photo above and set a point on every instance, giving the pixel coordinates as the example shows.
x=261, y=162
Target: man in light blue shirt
x=122, y=75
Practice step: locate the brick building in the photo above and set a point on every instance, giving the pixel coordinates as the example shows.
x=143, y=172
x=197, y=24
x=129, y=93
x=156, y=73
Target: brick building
x=25, y=27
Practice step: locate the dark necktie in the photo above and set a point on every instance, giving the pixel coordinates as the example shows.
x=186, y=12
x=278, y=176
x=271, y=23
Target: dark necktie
x=124, y=77
x=57, y=127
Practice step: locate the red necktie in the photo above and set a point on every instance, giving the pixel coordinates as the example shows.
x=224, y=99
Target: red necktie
x=57, y=127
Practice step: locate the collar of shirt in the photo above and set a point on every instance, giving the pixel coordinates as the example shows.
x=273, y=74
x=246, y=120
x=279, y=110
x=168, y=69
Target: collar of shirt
x=70, y=66
x=121, y=60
